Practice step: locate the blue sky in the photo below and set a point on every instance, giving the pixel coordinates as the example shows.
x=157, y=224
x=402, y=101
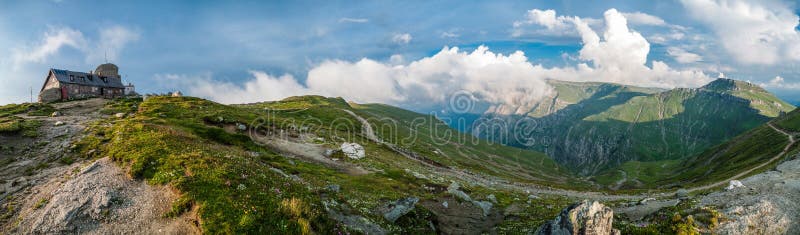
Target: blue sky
x=263, y=50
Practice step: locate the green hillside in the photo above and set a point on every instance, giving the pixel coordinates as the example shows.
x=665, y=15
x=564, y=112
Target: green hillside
x=259, y=168
x=607, y=125
x=719, y=163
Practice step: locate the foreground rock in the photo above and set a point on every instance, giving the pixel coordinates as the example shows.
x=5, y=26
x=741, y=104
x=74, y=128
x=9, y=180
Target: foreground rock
x=582, y=218
x=399, y=208
x=769, y=204
x=99, y=199
x=734, y=184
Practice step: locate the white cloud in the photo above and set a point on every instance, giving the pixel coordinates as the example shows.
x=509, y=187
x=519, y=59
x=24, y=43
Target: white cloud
x=353, y=20
x=638, y=18
x=260, y=88
x=494, y=78
x=664, y=38
x=402, y=38
x=111, y=41
x=52, y=41
x=753, y=32
x=553, y=25
x=779, y=83
x=683, y=56
x=510, y=83
x=620, y=56
x=450, y=35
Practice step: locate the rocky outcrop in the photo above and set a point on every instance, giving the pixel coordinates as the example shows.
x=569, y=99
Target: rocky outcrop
x=485, y=206
x=99, y=199
x=353, y=150
x=734, y=184
x=769, y=204
x=399, y=208
x=581, y=218
x=339, y=212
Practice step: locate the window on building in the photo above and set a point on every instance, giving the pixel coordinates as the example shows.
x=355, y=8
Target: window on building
x=71, y=78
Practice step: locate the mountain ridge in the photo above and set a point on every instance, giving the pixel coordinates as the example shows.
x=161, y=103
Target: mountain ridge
x=611, y=124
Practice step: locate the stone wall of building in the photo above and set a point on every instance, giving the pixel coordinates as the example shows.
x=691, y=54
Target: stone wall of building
x=75, y=91
x=50, y=95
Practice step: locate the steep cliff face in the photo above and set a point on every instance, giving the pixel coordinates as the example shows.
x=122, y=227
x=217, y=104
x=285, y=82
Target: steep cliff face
x=590, y=127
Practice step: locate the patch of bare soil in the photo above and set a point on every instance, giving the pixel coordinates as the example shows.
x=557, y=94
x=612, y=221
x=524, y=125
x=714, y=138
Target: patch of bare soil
x=101, y=199
x=302, y=147
x=44, y=190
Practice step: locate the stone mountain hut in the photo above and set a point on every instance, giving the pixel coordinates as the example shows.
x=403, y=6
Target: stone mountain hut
x=66, y=85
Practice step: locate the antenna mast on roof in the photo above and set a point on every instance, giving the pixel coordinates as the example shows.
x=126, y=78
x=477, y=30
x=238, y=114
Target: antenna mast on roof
x=106, y=56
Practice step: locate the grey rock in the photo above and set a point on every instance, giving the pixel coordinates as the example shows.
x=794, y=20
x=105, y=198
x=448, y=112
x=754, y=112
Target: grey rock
x=734, y=184
x=485, y=206
x=682, y=194
x=119, y=115
x=55, y=114
x=453, y=189
x=59, y=123
x=400, y=208
x=354, y=222
x=646, y=200
x=334, y=188
x=581, y=218
x=492, y=198
x=353, y=150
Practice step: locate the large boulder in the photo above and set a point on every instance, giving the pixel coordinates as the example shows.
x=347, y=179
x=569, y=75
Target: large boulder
x=585, y=218
x=399, y=208
x=353, y=150
x=734, y=184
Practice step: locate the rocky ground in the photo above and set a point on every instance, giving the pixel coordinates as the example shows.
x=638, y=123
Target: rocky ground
x=100, y=199
x=767, y=203
x=47, y=189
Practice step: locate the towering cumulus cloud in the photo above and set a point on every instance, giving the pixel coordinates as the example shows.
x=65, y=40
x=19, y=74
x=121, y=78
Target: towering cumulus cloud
x=753, y=32
x=619, y=56
x=489, y=77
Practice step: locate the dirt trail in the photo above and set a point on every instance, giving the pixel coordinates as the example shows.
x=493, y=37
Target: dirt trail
x=36, y=159
x=101, y=199
x=366, y=128
x=44, y=191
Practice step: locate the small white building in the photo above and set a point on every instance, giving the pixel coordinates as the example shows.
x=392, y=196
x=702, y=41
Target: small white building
x=130, y=89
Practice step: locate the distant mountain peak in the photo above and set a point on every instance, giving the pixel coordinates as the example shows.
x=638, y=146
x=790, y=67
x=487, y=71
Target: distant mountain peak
x=727, y=84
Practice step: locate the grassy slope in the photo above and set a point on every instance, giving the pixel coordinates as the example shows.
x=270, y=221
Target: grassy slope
x=431, y=137
x=10, y=124
x=230, y=181
x=714, y=164
x=569, y=93
x=641, y=124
